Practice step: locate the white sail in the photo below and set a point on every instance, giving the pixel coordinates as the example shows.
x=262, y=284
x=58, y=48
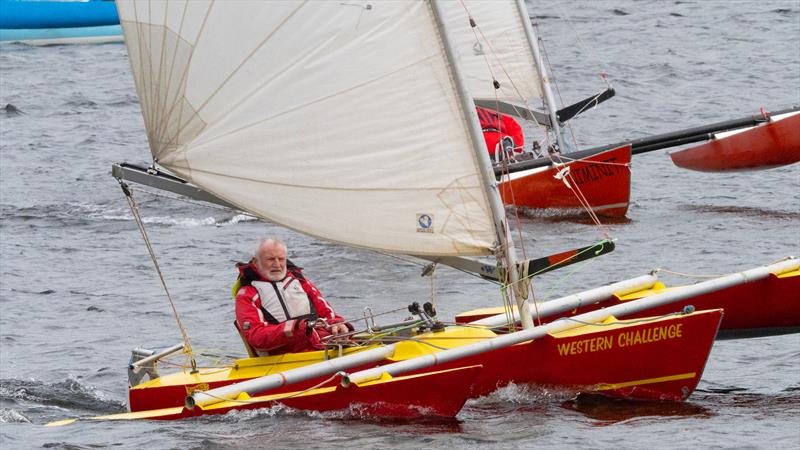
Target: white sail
x=496, y=49
x=337, y=119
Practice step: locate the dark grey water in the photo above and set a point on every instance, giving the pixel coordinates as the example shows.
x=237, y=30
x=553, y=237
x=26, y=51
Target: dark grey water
x=78, y=290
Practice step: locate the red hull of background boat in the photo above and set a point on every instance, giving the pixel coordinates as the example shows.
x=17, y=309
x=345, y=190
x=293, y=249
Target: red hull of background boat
x=770, y=145
x=604, y=180
x=764, y=307
x=769, y=306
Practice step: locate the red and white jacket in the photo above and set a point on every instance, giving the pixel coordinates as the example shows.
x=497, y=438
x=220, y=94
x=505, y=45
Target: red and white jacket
x=272, y=315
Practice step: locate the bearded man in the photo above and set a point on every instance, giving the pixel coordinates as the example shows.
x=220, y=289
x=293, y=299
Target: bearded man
x=277, y=309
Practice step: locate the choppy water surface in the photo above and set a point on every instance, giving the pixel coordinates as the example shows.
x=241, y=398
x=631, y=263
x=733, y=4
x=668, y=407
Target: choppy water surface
x=78, y=289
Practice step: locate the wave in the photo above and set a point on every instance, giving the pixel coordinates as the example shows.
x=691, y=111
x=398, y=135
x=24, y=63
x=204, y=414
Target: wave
x=76, y=213
x=78, y=101
x=8, y=415
x=744, y=211
x=184, y=222
x=70, y=394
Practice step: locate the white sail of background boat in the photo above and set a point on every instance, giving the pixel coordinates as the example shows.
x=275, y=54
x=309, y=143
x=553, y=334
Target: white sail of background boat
x=498, y=61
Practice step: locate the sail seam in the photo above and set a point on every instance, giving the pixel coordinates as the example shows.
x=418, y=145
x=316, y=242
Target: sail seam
x=243, y=62
x=448, y=187
x=317, y=101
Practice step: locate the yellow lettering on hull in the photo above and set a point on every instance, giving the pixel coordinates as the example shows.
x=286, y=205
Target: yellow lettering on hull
x=649, y=335
x=592, y=345
x=627, y=339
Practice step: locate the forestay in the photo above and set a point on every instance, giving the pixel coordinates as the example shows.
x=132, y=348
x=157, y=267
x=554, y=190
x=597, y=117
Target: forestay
x=337, y=119
x=497, y=49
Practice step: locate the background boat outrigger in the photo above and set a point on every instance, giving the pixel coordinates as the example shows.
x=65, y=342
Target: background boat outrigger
x=599, y=178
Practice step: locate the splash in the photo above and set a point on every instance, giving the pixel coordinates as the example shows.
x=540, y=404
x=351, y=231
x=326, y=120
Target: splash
x=8, y=415
x=524, y=395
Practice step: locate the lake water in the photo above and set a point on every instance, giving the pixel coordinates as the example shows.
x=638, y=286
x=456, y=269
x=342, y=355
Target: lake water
x=78, y=290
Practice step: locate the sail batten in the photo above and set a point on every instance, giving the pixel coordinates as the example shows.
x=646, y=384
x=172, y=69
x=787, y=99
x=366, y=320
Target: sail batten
x=338, y=120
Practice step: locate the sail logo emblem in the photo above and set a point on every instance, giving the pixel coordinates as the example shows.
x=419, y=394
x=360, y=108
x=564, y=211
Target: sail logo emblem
x=424, y=223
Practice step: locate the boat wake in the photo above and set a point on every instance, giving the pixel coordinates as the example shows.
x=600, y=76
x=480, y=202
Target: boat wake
x=514, y=399
x=575, y=215
x=356, y=413
x=522, y=394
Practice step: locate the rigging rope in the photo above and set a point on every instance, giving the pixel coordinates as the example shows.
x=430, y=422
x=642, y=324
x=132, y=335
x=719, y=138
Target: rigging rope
x=687, y=275
x=557, y=158
x=181, y=198
x=135, y=211
x=599, y=163
x=432, y=274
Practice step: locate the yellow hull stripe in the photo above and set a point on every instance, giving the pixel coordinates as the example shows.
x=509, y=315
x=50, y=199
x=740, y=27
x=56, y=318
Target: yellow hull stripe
x=683, y=376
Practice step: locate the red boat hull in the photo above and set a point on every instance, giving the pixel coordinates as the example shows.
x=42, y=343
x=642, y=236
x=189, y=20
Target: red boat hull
x=664, y=362
x=770, y=306
x=770, y=145
x=603, y=179
x=764, y=307
x=661, y=360
x=428, y=395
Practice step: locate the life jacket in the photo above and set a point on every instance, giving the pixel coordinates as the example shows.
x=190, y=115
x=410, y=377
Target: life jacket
x=502, y=134
x=489, y=120
x=280, y=301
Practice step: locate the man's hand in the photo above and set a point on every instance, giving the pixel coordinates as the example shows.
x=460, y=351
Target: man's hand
x=338, y=328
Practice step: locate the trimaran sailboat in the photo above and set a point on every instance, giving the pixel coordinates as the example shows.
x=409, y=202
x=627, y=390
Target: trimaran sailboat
x=363, y=95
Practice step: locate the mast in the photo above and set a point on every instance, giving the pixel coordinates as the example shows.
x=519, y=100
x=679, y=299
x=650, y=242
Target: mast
x=537, y=56
x=498, y=211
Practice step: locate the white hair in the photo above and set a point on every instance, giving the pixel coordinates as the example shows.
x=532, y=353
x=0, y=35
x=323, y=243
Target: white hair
x=265, y=242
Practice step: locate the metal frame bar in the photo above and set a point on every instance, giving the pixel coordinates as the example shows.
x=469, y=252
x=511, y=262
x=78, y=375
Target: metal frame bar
x=158, y=179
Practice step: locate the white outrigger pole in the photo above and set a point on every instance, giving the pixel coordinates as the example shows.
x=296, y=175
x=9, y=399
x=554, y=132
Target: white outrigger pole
x=545, y=80
x=506, y=248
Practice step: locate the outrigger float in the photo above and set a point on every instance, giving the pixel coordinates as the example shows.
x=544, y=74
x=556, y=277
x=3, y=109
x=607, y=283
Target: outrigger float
x=297, y=76
x=759, y=302
x=774, y=142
